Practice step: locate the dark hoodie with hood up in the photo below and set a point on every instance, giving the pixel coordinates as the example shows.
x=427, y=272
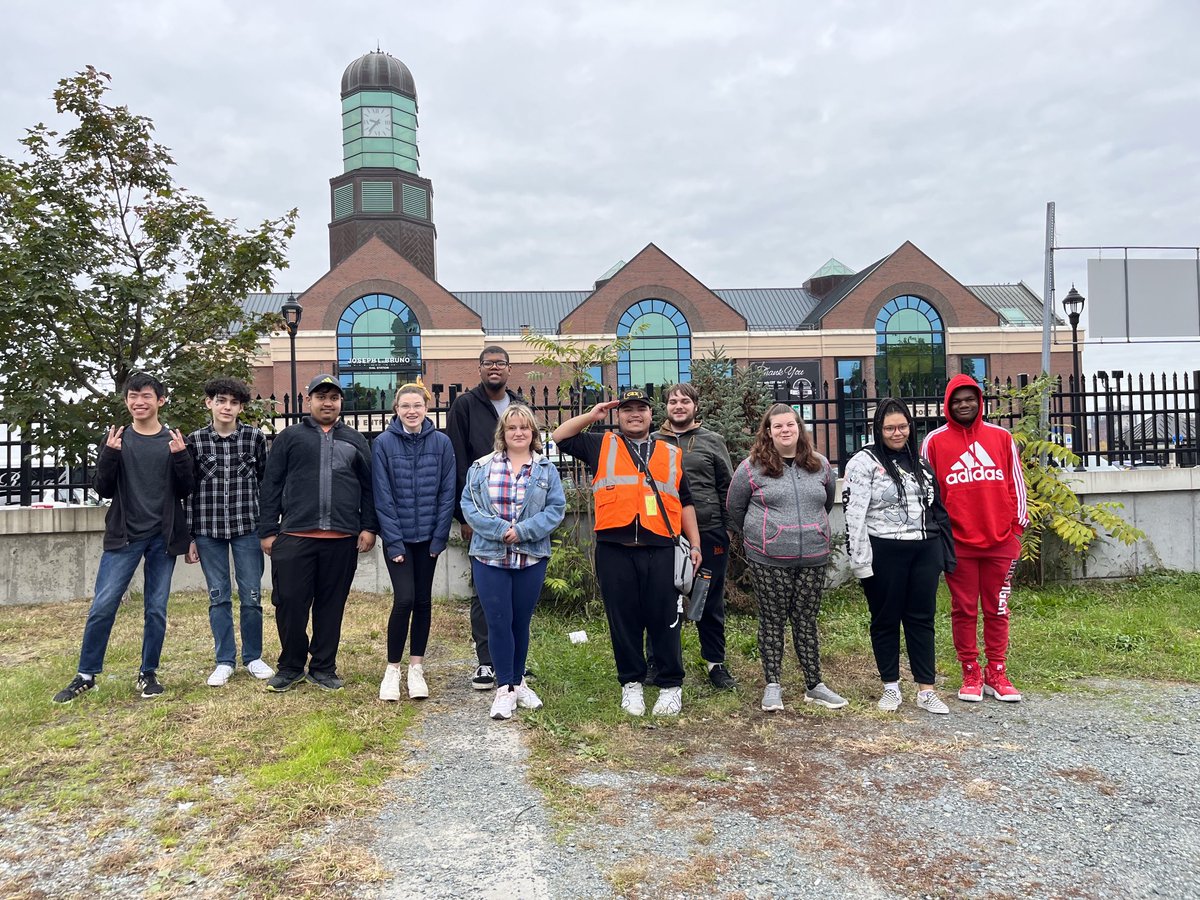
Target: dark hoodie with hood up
x=980, y=478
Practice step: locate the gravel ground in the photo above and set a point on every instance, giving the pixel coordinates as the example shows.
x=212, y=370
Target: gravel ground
x=1089, y=793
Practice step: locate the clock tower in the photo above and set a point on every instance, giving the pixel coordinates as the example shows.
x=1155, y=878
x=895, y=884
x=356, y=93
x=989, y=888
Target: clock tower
x=380, y=191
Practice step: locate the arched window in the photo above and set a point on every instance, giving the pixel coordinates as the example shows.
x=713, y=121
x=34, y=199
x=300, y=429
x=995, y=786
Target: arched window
x=379, y=349
x=910, y=346
x=660, y=348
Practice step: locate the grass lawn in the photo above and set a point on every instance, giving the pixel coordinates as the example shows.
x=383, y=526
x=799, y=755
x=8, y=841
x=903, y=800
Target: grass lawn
x=233, y=788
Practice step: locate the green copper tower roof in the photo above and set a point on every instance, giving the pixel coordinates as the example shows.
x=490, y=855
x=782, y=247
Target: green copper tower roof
x=832, y=267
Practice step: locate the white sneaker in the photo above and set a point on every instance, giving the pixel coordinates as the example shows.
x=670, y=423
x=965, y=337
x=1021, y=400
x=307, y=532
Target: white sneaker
x=772, y=700
x=259, y=669
x=505, y=703
x=932, y=703
x=389, y=688
x=526, y=698
x=890, y=701
x=417, y=688
x=632, y=700
x=669, y=703
x=220, y=675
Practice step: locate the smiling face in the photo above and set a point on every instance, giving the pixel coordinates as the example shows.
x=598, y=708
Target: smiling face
x=634, y=420
x=410, y=408
x=493, y=371
x=681, y=412
x=225, y=410
x=325, y=405
x=143, y=405
x=785, y=433
x=895, y=431
x=964, y=405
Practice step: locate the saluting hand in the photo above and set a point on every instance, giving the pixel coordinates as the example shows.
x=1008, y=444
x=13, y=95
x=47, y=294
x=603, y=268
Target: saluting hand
x=600, y=411
x=177, y=442
x=113, y=441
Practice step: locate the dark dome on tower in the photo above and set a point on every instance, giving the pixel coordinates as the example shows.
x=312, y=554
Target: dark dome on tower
x=378, y=71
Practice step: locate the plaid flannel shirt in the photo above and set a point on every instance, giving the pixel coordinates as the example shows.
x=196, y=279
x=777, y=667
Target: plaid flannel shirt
x=506, y=490
x=224, y=503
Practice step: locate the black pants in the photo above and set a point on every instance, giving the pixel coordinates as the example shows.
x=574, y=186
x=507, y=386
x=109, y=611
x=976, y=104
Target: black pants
x=903, y=590
x=714, y=547
x=479, y=628
x=639, y=594
x=412, y=590
x=311, y=574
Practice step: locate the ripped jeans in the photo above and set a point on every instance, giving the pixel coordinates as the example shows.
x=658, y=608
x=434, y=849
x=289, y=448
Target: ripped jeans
x=248, y=570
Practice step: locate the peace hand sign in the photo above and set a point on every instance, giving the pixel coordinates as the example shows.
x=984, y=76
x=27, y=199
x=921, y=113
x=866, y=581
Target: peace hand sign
x=113, y=441
x=177, y=442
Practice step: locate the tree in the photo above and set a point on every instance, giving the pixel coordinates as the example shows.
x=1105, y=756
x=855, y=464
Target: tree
x=107, y=267
x=732, y=400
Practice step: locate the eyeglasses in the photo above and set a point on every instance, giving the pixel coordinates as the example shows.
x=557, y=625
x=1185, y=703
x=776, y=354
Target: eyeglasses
x=493, y=364
x=895, y=429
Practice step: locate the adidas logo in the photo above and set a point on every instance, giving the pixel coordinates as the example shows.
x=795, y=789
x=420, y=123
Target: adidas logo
x=974, y=465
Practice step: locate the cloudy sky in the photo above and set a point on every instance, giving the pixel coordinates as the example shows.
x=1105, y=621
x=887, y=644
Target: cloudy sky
x=751, y=141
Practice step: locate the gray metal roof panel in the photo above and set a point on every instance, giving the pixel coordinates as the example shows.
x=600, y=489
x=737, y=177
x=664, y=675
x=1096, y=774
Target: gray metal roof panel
x=770, y=309
x=1016, y=304
x=510, y=312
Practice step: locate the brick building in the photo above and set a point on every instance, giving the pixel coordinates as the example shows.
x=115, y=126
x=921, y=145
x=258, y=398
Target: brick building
x=379, y=317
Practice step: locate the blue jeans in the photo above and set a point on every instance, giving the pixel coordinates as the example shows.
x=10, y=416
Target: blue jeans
x=112, y=580
x=508, y=597
x=248, y=570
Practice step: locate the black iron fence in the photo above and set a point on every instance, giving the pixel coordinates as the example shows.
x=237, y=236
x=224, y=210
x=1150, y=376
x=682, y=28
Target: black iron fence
x=1109, y=419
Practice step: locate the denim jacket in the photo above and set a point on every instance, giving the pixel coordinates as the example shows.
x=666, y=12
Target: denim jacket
x=544, y=507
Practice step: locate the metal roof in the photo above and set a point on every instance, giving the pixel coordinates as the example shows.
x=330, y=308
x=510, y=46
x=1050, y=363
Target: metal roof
x=511, y=312
x=261, y=304
x=378, y=71
x=1016, y=304
x=770, y=309
x=832, y=267
x=834, y=297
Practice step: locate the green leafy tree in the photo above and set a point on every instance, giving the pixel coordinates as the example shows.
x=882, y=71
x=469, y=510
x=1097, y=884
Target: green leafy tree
x=732, y=400
x=573, y=361
x=1053, y=506
x=108, y=267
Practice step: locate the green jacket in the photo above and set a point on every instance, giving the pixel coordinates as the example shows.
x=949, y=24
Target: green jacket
x=708, y=469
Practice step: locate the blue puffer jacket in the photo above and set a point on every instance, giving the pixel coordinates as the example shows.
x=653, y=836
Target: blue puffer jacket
x=413, y=477
x=544, y=507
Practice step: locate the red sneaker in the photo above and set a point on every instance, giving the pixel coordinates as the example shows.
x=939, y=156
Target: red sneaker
x=972, y=683
x=996, y=684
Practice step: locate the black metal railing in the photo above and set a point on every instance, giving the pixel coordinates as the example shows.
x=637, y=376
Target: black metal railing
x=1109, y=419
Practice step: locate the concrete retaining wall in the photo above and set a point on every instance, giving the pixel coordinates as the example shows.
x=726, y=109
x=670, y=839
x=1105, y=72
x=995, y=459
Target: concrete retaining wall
x=49, y=555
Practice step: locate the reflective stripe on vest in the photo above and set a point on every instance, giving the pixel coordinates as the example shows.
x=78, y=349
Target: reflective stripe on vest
x=618, y=473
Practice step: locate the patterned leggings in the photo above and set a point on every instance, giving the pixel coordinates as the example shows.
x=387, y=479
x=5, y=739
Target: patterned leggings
x=789, y=593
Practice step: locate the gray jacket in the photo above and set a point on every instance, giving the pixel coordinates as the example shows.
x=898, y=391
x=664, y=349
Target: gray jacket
x=784, y=521
x=709, y=470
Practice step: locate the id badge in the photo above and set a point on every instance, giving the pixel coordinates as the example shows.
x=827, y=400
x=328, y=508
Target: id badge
x=651, y=505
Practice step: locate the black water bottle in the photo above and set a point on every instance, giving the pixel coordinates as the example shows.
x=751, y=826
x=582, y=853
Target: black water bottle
x=699, y=595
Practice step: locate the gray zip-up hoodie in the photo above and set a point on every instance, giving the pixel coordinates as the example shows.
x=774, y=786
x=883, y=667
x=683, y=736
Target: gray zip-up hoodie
x=784, y=521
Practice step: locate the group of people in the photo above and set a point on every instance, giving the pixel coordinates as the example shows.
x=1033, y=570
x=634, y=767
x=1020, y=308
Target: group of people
x=323, y=495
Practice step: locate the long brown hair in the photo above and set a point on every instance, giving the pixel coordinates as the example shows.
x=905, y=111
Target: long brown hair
x=764, y=455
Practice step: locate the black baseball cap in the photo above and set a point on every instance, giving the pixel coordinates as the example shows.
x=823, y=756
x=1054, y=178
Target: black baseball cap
x=633, y=395
x=325, y=382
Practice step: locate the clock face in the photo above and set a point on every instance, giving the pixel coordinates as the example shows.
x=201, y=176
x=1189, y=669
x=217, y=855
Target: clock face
x=376, y=122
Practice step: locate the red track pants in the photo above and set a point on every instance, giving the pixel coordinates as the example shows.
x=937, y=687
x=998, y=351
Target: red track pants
x=981, y=581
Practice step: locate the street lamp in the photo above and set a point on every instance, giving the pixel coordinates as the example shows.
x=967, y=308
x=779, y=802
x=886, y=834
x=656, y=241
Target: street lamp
x=292, y=311
x=1073, y=306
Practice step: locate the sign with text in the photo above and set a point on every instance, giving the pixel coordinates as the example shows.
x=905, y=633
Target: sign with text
x=801, y=378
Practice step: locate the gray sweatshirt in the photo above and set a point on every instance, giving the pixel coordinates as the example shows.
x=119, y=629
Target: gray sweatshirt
x=784, y=521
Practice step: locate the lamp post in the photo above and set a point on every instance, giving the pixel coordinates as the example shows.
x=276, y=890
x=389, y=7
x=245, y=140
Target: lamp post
x=292, y=311
x=1073, y=306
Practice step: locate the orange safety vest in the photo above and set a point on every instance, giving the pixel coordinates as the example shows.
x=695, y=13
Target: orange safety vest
x=622, y=494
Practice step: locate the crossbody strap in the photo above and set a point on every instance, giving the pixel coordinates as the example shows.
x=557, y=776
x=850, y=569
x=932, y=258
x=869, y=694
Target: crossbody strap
x=644, y=468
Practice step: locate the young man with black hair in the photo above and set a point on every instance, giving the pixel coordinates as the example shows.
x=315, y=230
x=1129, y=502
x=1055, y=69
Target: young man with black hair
x=229, y=458
x=471, y=427
x=145, y=469
x=317, y=513
x=635, y=552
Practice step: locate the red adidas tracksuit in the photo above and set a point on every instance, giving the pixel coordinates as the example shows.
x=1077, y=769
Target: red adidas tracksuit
x=983, y=488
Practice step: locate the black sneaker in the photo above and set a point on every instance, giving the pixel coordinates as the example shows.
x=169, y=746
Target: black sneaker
x=327, y=680
x=79, y=685
x=719, y=677
x=484, y=678
x=148, y=686
x=283, y=681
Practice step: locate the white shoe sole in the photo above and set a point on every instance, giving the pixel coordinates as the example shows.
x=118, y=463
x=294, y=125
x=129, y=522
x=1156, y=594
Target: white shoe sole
x=826, y=703
x=991, y=692
x=772, y=708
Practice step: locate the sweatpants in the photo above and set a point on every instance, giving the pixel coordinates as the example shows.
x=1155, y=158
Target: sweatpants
x=714, y=550
x=640, y=599
x=903, y=591
x=412, y=592
x=509, y=597
x=789, y=593
x=981, y=582
x=311, y=574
